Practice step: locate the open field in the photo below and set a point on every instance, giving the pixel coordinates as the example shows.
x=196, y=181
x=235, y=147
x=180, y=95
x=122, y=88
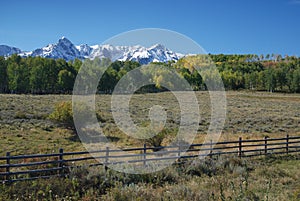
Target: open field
x=25, y=127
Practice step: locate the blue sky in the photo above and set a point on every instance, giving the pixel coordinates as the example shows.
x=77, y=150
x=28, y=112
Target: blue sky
x=219, y=26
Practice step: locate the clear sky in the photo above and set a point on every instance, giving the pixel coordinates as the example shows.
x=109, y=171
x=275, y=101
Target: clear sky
x=219, y=26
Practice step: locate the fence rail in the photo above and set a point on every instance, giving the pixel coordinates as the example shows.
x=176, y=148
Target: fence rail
x=28, y=167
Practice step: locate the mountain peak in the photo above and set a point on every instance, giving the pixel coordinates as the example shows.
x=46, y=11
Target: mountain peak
x=64, y=40
x=158, y=46
x=7, y=50
x=65, y=49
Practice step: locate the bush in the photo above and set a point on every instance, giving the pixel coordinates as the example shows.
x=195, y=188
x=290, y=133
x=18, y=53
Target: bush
x=20, y=115
x=200, y=167
x=63, y=114
x=157, y=140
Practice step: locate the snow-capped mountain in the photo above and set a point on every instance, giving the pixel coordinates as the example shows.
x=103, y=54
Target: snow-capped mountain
x=155, y=53
x=7, y=50
x=108, y=51
x=65, y=49
x=143, y=55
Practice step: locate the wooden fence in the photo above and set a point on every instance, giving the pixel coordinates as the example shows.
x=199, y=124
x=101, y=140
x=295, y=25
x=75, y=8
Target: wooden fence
x=29, y=167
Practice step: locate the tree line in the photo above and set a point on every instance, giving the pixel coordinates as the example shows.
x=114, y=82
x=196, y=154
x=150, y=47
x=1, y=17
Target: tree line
x=270, y=73
x=38, y=75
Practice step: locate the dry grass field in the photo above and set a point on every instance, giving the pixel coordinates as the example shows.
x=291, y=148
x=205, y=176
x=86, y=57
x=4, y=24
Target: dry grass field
x=25, y=127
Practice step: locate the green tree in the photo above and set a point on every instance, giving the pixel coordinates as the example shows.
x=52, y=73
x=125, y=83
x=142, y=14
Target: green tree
x=295, y=85
x=3, y=75
x=18, y=75
x=270, y=79
x=38, y=76
x=66, y=80
x=281, y=77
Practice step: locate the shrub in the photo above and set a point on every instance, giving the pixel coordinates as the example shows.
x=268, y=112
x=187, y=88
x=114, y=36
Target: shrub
x=157, y=140
x=20, y=115
x=63, y=114
x=200, y=167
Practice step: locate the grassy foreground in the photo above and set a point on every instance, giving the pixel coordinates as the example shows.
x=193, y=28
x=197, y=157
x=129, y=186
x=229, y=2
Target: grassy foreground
x=271, y=178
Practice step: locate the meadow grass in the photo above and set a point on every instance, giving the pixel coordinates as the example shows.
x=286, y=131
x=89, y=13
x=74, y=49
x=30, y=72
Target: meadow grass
x=223, y=178
x=25, y=127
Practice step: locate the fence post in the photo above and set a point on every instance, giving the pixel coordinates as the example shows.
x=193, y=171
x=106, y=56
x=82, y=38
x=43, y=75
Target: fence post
x=266, y=145
x=145, y=152
x=210, y=152
x=179, y=149
x=8, y=166
x=106, y=158
x=287, y=143
x=240, y=147
x=61, y=163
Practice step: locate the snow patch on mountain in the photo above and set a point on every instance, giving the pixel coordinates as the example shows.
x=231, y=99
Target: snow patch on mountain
x=65, y=49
